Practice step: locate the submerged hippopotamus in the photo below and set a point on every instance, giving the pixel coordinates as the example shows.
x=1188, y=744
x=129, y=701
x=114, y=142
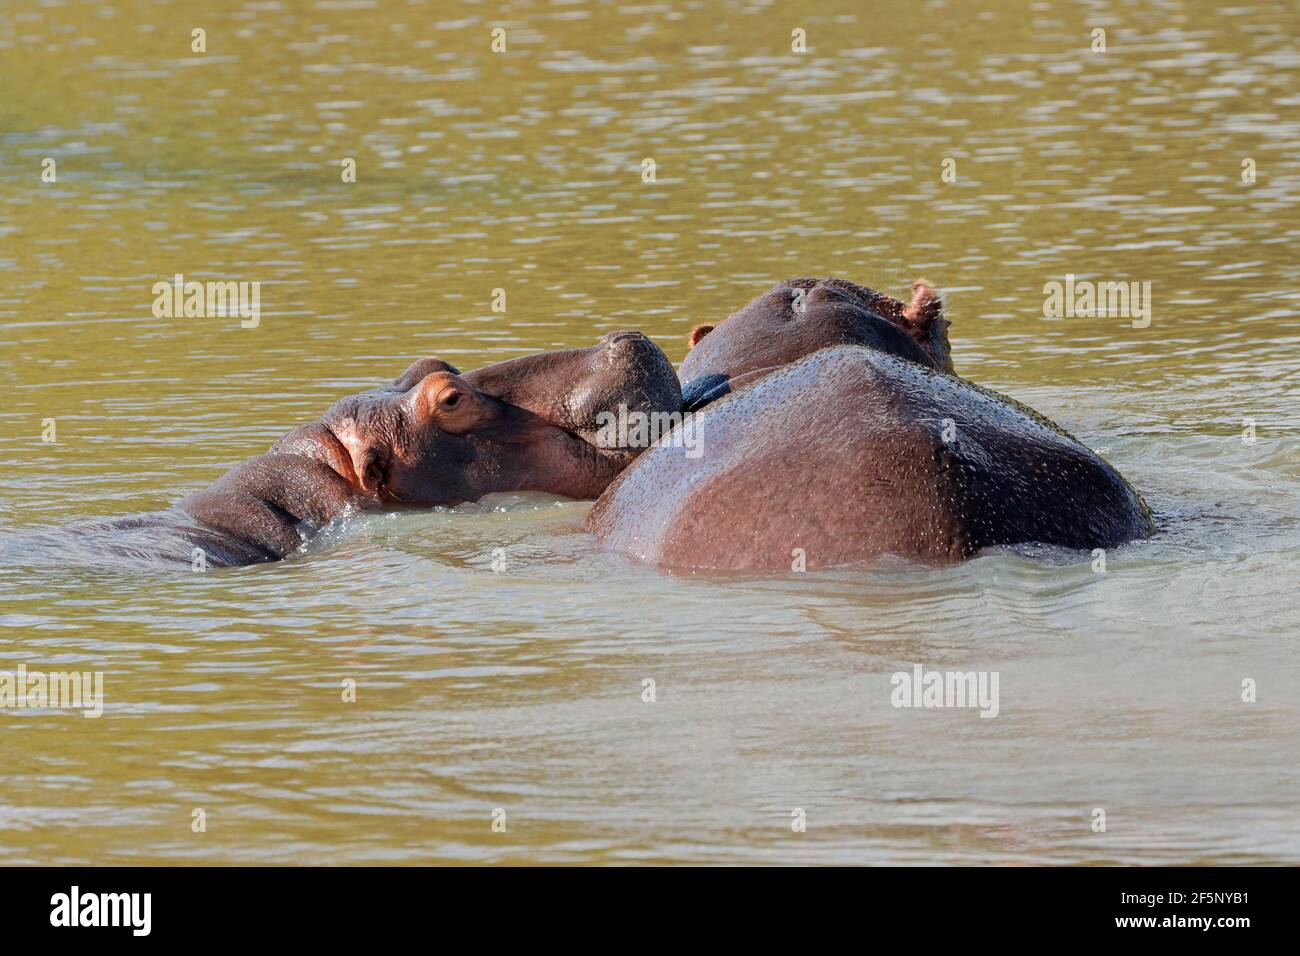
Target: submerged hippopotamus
x=833, y=430
x=432, y=437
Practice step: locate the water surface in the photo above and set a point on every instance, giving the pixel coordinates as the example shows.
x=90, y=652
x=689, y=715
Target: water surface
x=521, y=689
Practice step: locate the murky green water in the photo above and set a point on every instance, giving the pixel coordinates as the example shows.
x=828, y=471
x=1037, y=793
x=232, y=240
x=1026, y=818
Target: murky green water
x=522, y=690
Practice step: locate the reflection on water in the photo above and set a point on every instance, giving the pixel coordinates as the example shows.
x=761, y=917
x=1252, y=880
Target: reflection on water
x=522, y=689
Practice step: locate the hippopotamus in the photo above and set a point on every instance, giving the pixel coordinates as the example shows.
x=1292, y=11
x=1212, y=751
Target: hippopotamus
x=432, y=437
x=834, y=430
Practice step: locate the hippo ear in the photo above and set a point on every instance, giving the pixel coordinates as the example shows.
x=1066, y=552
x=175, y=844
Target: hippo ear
x=419, y=369
x=926, y=306
x=697, y=333
x=369, y=460
x=370, y=470
x=923, y=319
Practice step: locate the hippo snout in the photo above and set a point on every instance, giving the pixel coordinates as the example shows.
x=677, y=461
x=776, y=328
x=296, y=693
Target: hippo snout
x=642, y=372
x=626, y=373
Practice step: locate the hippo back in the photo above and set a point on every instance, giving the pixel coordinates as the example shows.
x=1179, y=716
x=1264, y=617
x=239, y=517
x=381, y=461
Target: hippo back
x=851, y=453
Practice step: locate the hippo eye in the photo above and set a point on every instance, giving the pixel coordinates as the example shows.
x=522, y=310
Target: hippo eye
x=450, y=399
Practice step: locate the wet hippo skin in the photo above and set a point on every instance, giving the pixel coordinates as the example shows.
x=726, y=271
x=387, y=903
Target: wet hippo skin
x=799, y=316
x=852, y=451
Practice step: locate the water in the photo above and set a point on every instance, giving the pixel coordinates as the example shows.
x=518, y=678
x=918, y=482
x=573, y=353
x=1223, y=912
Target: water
x=522, y=689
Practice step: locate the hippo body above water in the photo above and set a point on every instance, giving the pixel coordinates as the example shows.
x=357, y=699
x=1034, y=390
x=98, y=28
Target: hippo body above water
x=842, y=455
x=432, y=437
x=820, y=454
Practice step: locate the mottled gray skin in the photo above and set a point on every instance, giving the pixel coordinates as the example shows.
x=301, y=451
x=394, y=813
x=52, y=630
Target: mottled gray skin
x=839, y=451
x=432, y=437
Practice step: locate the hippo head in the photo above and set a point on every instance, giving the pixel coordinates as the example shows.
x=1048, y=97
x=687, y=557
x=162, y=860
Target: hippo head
x=800, y=316
x=436, y=437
